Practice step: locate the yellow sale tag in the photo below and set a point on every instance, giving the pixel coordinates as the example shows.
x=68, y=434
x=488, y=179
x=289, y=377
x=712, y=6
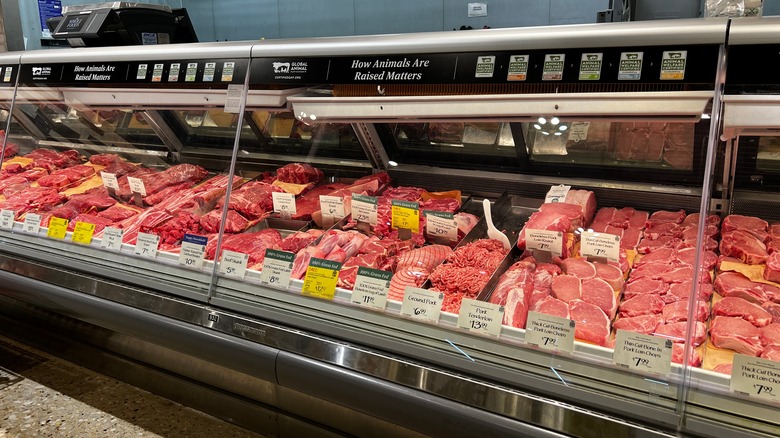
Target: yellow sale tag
x=58, y=228
x=406, y=215
x=321, y=278
x=82, y=233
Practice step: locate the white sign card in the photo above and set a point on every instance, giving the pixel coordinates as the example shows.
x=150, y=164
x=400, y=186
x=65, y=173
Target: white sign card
x=284, y=203
x=550, y=332
x=109, y=180
x=7, y=219
x=146, y=245
x=112, y=239
x=332, y=206
x=422, y=304
x=480, y=317
x=644, y=353
x=557, y=194
x=371, y=286
x=136, y=185
x=277, y=267
x=544, y=240
x=193, y=249
x=32, y=223
x=755, y=377
x=233, y=99
x=233, y=264
x=600, y=245
x=364, y=209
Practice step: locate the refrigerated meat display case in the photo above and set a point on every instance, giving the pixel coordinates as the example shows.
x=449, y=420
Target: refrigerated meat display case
x=269, y=230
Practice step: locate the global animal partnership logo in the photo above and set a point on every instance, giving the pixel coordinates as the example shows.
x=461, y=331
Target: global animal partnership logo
x=290, y=69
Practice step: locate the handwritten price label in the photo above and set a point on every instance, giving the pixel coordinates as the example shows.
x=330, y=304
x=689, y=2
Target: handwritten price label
x=284, y=203
x=146, y=245
x=136, y=185
x=233, y=264
x=109, y=180
x=364, y=208
x=441, y=224
x=371, y=286
x=422, y=304
x=112, y=239
x=406, y=215
x=550, y=332
x=644, y=353
x=600, y=245
x=7, y=219
x=557, y=193
x=755, y=377
x=193, y=248
x=83, y=232
x=480, y=317
x=332, y=206
x=277, y=267
x=544, y=240
x=321, y=278
x=32, y=223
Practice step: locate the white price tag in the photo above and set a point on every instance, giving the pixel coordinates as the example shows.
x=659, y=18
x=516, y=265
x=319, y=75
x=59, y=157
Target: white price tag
x=578, y=131
x=284, y=203
x=112, y=239
x=193, y=248
x=233, y=264
x=233, y=99
x=146, y=245
x=277, y=267
x=332, y=206
x=439, y=224
x=600, y=245
x=544, y=240
x=110, y=181
x=550, y=332
x=480, y=317
x=371, y=286
x=136, y=185
x=422, y=304
x=364, y=209
x=557, y=194
x=7, y=219
x=32, y=223
x=755, y=377
x=644, y=353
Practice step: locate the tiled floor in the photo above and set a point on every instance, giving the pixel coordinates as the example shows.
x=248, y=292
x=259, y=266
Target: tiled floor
x=44, y=396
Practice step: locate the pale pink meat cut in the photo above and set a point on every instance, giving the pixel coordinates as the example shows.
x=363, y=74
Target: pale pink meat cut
x=682, y=291
x=646, y=246
x=734, y=284
x=592, y=324
x=403, y=277
x=723, y=368
x=567, y=288
x=677, y=331
x=645, y=304
x=693, y=219
x=773, y=309
x=750, y=312
x=513, y=291
x=736, y=334
x=599, y=292
x=611, y=274
x=678, y=354
x=653, y=271
x=772, y=268
x=572, y=211
x=678, y=311
x=552, y=306
x=586, y=200
x=771, y=352
x=640, y=324
x=631, y=237
x=683, y=274
x=427, y=257
x=708, y=260
x=644, y=286
x=770, y=334
x=744, y=246
x=753, y=225
x=663, y=229
x=579, y=268
x=662, y=216
x=660, y=256
x=638, y=219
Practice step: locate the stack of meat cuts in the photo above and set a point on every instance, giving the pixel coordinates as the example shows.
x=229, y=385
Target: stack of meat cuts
x=414, y=266
x=466, y=272
x=675, y=229
x=335, y=245
x=626, y=223
x=307, y=206
x=249, y=204
x=252, y=244
x=654, y=142
x=566, y=217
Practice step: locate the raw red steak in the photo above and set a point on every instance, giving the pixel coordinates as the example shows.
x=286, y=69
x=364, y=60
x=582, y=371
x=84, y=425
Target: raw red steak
x=750, y=312
x=736, y=334
x=299, y=173
x=663, y=216
x=734, y=284
x=659, y=256
x=678, y=311
x=753, y=225
x=645, y=304
x=586, y=200
x=567, y=288
x=579, y=268
x=772, y=268
x=640, y=324
x=677, y=331
x=592, y=324
x=744, y=246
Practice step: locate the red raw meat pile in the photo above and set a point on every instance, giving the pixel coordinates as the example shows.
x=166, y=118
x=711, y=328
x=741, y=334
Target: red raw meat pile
x=299, y=173
x=675, y=229
x=248, y=205
x=307, y=206
x=413, y=267
x=627, y=223
x=745, y=238
x=335, y=245
x=252, y=244
x=466, y=272
x=575, y=212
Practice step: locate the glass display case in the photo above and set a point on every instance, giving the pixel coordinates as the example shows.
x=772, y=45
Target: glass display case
x=330, y=203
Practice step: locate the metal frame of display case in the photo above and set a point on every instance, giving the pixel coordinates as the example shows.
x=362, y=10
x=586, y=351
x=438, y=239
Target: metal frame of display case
x=299, y=352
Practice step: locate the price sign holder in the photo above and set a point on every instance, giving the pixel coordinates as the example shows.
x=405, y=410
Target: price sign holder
x=233, y=264
x=7, y=218
x=332, y=208
x=550, y=332
x=284, y=204
x=405, y=216
x=364, y=211
x=277, y=267
x=600, y=246
x=58, y=228
x=643, y=353
x=139, y=190
x=557, y=194
x=441, y=226
x=112, y=239
x=321, y=278
x=146, y=245
x=422, y=304
x=755, y=377
x=193, y=248
x=32, y=223
x=82, y=233
x=480, y=317
x=371, y=287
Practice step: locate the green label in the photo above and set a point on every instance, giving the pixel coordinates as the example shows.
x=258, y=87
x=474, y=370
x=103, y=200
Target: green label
x=441, y=214
x=405, y=204
x=374, y=273
x=364, y=198
x=279, y=255
x=325, y=264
